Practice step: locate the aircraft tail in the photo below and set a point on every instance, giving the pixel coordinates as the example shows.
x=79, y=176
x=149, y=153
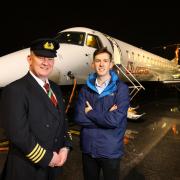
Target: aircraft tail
x=175, y=60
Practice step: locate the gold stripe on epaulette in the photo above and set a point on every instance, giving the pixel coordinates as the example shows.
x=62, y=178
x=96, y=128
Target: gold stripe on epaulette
x=42, y=155
x=38, y=155
x=32, y=152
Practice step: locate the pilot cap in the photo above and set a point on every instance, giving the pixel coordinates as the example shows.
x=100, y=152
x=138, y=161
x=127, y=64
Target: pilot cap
x=45, y=47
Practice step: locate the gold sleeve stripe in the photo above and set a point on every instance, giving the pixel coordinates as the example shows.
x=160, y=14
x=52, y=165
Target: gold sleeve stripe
x=42, y=155
x=37, y=156
x=36, y=152
x=32, y=152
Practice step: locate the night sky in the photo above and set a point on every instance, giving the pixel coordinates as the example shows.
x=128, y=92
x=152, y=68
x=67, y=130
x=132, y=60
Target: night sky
x=149, y=26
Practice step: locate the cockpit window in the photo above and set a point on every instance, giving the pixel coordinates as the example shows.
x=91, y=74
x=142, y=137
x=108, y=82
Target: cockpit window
x=93, y=41
x=71, y=38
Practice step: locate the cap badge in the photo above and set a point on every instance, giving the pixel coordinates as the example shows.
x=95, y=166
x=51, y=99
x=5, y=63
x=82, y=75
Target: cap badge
x=49, y=46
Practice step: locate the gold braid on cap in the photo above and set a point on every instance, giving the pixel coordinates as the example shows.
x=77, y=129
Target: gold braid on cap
x=49, y=46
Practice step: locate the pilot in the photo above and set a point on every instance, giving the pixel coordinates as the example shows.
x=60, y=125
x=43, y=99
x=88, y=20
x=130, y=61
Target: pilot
x=34, y=119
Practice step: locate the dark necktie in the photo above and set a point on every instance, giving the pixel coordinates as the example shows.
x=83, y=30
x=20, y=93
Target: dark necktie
x=50, y=94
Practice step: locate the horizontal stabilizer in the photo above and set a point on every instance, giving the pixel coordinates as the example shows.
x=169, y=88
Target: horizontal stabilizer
x=177, y=81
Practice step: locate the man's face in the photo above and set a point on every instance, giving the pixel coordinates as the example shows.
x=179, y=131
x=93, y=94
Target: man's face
x=40, y=66
x=102, y=64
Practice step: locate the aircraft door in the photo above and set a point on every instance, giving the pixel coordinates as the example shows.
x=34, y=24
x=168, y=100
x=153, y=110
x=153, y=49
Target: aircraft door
x=117, y=55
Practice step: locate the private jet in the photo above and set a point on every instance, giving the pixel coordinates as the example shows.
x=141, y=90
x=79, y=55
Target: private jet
x=74, y=57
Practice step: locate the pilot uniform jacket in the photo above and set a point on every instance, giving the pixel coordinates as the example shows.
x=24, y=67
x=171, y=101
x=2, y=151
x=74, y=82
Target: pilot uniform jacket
x=35, y=128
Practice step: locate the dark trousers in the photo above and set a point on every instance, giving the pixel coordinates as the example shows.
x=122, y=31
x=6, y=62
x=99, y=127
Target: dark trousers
x=92, y=167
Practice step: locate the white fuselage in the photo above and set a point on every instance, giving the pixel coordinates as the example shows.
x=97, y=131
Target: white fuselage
x=77, y=59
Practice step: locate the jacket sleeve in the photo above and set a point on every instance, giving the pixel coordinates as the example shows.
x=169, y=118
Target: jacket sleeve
x=14, y=116
x=80, y=116
x=114, y=118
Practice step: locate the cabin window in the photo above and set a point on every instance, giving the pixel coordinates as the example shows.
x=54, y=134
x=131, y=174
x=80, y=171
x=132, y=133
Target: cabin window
x=93, y=41
x=132, y=58
x=128, y=54
x=147, y=60
x=138, y=57
x=76, y=38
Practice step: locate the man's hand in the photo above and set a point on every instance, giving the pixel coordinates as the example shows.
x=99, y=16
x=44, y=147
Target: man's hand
x=63, y=153
x=59, y=158
x=55, y=159
x=114, y=107
x=88, y=107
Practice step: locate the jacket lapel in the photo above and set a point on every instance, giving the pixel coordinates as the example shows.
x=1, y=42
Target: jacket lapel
x=43, y=96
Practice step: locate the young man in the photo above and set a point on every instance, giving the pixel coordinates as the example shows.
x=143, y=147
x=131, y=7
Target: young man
x=34, y=119
x=101, y=111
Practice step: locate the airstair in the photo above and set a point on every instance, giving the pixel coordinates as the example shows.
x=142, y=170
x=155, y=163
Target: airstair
x=135, y=86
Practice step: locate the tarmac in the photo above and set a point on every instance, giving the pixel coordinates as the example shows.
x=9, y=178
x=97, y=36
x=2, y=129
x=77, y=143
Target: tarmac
x=152, y=143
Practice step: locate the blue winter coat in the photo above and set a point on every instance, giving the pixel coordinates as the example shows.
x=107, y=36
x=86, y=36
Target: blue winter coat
x=103, y=131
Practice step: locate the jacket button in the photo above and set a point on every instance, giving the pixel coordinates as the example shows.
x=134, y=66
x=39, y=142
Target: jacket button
x=55, y=140
x=47, y=125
